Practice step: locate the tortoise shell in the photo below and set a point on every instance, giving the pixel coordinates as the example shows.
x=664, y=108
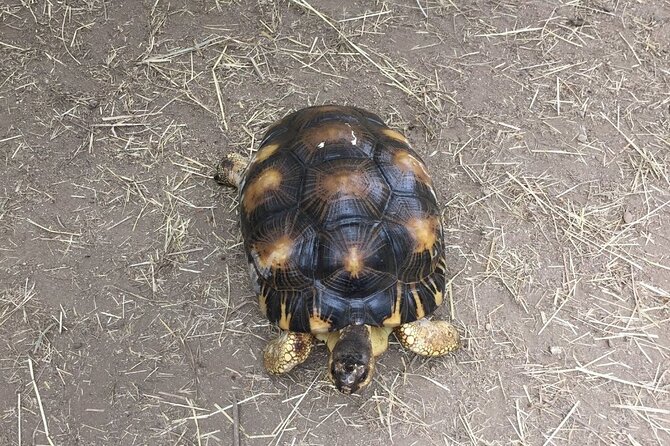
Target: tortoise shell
x=341, y=223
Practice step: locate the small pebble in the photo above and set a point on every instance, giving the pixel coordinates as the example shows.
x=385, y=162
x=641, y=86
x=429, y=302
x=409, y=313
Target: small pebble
x=627, y=217
x=582, y=136
x=555, y=350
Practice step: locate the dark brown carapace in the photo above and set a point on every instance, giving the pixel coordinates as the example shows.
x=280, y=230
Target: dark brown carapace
x=341, y=223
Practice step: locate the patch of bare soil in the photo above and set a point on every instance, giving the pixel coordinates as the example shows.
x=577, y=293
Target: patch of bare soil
x=126, y=314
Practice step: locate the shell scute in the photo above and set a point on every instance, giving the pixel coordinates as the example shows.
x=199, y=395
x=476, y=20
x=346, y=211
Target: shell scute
x=270, y=186
x=342, y=189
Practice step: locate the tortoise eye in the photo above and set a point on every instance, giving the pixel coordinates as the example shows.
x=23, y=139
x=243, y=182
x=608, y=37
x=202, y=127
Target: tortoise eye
x=362, y=371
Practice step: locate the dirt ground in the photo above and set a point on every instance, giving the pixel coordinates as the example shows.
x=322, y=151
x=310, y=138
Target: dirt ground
x=126, y=313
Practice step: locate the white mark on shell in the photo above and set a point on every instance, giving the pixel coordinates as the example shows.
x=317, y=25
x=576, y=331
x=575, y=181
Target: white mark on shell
x=354, y=140
x=321, y=145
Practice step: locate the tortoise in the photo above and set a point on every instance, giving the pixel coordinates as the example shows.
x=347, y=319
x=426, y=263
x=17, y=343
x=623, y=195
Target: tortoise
x=344, y=240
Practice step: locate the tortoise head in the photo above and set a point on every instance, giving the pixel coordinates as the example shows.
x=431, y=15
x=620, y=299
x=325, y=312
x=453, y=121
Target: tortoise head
x=352, y=363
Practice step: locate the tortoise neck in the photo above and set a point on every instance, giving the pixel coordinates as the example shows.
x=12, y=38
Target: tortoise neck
x=354, y=341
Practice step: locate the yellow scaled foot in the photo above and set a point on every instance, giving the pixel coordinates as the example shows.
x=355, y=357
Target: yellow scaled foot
x=287, y=351
x=428, y=338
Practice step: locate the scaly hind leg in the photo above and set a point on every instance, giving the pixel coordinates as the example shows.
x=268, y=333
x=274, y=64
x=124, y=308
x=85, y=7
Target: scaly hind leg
x=230, y=170
x=428, y=338
x=287, y=351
